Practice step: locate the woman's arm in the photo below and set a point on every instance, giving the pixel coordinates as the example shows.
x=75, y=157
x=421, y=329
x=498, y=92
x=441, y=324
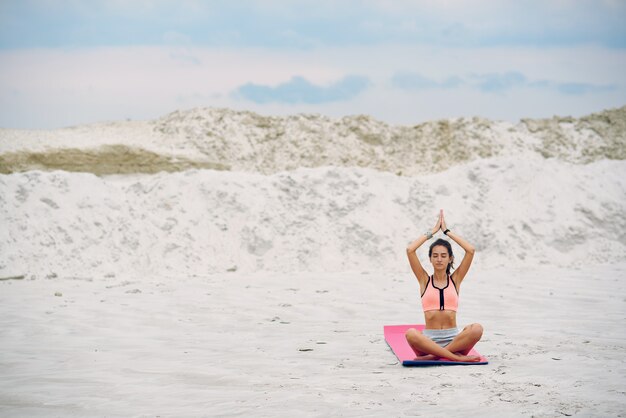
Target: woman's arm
x=463, y=268
x=416, y=266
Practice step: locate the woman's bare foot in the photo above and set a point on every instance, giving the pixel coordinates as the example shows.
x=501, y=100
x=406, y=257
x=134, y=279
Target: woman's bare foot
x=426, y=357
x=472, y=359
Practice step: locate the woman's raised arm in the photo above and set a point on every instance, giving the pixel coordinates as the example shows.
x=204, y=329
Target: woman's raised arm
x=463, y=268
x=416, y=266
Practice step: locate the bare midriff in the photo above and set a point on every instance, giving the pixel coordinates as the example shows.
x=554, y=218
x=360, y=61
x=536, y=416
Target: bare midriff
x=440, y=319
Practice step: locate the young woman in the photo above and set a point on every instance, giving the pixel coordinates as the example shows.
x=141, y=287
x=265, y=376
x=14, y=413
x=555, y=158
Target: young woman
x=440, y=297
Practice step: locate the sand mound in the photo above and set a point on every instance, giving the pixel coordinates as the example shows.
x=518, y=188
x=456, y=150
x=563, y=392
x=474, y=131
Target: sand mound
x=548, y=191
x=245, y=141
x=325, y=219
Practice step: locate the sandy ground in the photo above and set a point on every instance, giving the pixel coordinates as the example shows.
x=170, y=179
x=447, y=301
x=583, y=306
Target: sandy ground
x=308, y=344
x=151, y=295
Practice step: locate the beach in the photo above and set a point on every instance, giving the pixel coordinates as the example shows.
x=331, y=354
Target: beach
x=311, y=344
x=179, y=277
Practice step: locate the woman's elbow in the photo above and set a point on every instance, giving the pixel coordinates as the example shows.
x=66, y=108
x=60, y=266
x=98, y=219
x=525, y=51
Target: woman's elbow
x=471, y=250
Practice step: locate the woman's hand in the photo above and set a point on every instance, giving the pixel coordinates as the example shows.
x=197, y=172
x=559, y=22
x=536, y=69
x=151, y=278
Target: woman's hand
x=437, y=226
x=443, y=221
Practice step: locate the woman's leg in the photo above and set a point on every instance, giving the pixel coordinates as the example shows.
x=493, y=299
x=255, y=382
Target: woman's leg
x=466, y=340
x=427, y=349
x=412, y=340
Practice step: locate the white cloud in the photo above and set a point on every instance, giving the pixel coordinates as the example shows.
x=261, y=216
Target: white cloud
x=52, y=88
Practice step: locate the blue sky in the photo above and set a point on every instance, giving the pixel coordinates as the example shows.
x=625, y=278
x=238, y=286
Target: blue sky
x=69, y=62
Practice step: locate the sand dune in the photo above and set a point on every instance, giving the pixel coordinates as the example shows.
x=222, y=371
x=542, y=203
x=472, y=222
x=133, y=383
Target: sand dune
x=222, y=263
x=324, y=219
x=244, y=141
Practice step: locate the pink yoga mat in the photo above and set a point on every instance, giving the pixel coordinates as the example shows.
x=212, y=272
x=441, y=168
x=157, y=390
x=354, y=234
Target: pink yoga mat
x=394, y=335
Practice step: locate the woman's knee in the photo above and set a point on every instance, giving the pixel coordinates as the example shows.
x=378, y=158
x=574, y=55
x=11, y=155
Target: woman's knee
x=412, y=334
x=476, y=330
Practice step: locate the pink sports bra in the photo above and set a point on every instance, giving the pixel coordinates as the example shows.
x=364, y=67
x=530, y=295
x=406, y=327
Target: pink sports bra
x=436, y=299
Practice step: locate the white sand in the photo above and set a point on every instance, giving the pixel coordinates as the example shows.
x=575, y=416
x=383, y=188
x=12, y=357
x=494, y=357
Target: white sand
x=193, y=293
x=229, y=345
x=323, y=219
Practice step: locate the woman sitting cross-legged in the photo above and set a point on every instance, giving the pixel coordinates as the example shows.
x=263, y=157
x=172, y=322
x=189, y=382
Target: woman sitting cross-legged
x=440, y=298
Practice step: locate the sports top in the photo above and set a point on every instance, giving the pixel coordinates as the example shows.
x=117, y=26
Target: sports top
x=436, y=299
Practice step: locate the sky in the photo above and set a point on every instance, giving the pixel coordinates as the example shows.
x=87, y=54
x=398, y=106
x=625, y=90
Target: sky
x=69, y=62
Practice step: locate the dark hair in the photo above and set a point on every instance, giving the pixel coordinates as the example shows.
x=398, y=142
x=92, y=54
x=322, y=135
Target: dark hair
x=446, y=244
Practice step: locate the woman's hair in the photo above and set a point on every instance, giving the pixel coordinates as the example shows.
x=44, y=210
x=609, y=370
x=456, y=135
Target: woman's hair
x=446, y=244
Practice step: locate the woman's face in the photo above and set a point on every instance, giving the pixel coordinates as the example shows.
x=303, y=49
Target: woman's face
x=439, y=257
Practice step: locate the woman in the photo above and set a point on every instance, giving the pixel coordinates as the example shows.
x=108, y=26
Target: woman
x=440, y=296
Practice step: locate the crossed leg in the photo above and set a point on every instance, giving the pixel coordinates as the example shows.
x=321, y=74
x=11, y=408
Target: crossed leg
x=427, y=349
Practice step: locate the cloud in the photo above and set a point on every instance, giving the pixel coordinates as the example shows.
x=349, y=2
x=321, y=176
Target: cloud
x=506, y=81
x=49, y=88
x=185, y=58
x=496, y=83
x=311, y=23
x=300, y=90
x=499, y=82
x=583, y=88
x=413, y=81
x=175, y=38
